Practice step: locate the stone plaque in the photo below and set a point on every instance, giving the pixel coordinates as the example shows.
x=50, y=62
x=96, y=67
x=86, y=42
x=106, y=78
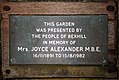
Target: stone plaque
x=69, y=40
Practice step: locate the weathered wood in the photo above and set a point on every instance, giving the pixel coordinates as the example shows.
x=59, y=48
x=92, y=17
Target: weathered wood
x=52, y=8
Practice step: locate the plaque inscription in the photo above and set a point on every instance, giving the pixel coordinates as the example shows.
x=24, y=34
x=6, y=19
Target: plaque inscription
x=70, y=40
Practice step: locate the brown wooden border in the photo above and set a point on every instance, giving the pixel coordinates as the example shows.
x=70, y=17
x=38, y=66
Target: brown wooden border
x=55, y=8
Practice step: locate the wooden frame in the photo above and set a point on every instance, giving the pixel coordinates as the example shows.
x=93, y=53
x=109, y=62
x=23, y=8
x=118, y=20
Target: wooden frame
x=56, y=8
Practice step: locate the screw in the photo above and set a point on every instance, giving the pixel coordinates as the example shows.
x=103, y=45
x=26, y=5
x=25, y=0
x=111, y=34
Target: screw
x=13, y=60
x=8, y=71
x=110, y=8
x=6, y=8
x=103, y=61
x=112, y=69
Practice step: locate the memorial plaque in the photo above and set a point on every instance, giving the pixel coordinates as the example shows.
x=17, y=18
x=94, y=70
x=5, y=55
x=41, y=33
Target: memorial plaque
x=69, y=40
x=58, y=39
